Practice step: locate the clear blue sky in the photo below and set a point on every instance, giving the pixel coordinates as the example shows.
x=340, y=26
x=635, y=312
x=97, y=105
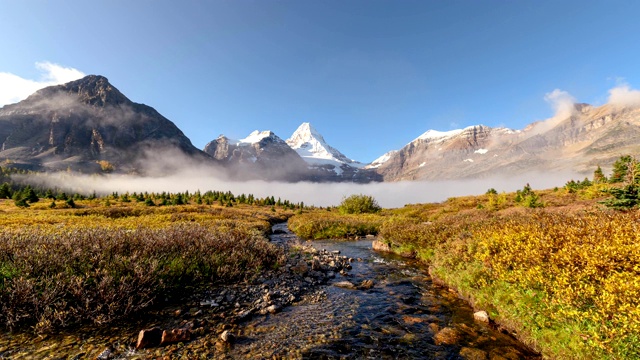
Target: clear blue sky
x=369, y=75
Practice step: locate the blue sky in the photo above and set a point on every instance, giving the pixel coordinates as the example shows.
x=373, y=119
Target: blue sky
x=369, y=75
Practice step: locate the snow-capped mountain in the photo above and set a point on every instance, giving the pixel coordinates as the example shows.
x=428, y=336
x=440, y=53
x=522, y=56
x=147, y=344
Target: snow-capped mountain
x=262, y=154
x=312, y=147
x=305, y=156
x=588, y=137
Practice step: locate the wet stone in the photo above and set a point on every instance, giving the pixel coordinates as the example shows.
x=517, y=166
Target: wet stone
x=446, y=336
x=473, y=354
x=149, y=338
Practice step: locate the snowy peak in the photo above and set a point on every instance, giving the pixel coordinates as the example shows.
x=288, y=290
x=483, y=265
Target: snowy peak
x=305, y=134
x=381, y=160
x=256, y=136
x=312, y=147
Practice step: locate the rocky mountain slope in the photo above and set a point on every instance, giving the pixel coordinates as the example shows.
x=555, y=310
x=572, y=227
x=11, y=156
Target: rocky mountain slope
x=84, y=122
x=261, y=155
x=578, y=143
x=305, y=156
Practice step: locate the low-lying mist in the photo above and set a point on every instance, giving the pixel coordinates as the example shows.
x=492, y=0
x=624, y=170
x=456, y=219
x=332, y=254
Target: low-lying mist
x=388, y=195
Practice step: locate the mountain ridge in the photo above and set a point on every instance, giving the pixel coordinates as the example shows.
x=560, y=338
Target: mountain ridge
x=83, y=123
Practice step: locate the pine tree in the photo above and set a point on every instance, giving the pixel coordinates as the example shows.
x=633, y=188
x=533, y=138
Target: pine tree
x=598, y=176
x=5, y=191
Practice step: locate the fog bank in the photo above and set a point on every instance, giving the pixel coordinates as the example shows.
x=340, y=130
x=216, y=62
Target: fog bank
x=388, y=195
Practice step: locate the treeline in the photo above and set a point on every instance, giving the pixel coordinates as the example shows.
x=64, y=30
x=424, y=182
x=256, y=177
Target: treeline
x=24, y=195
x=624, y=181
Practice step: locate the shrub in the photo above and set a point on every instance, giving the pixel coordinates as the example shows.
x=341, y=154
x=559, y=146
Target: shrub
x=359, y=204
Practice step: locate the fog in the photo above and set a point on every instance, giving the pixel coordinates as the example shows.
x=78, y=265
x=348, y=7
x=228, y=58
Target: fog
x=388, y=195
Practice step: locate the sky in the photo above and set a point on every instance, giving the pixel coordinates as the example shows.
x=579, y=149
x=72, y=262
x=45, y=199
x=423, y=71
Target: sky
x=370, y=76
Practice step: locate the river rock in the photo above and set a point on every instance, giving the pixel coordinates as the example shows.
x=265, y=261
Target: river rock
x=315, y=264
x=366, y=284
x=446, y=336
x=149, y=338
x=344, y=285
x=300, y=268
x=228, y=337
x=174, y=336
x=473, y=354
x=481, y=316
x=378, y=245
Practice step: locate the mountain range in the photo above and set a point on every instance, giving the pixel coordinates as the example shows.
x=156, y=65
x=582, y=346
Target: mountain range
x=89, y=126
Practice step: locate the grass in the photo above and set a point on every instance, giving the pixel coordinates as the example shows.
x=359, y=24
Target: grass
x=565, y=276
x=64, y=267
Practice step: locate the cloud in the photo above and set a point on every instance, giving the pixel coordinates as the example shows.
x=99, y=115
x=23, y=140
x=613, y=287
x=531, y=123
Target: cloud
x=561, y=101
x=14, y=88
x=623, y=95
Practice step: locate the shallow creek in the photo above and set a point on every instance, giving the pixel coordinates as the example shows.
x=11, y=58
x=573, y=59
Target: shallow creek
x=393, y=311
x=396, y=318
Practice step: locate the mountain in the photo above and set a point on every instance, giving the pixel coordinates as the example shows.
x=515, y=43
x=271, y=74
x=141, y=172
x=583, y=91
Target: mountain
x=578, y=143
x=261, y=155
x=83, y=122
x=305, y=156
x=328, y=163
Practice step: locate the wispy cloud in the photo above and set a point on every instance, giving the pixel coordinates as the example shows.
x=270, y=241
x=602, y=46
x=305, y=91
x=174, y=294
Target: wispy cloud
x=14, y=88
x=561, y=101
x=624, y=95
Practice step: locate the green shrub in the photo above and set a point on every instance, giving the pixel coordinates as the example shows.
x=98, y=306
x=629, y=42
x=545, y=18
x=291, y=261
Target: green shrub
x=359, y=204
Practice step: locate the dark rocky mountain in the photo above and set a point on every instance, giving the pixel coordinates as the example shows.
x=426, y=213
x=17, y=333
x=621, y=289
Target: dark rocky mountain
x=578, y=143
x=81, y=123
x=262, y=155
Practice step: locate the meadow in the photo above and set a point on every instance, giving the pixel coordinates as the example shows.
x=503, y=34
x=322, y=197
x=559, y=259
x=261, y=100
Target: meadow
x=102, y=259
x=557, y=267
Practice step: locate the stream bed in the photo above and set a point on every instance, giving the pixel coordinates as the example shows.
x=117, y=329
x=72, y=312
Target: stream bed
x=402, y=315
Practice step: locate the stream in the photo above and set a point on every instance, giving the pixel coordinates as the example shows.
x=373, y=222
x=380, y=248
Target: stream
x=398, y=317
x=384, y=307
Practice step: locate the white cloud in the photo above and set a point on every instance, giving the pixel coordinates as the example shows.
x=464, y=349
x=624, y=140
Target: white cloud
x=561, y=101
x=14, y=88
x=624, y=95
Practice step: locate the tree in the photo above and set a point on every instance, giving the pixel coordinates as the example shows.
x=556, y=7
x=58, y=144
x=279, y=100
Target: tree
x=621, y=169
x=359, y=204
x=598, y=176
x=30, y=195
x=5, y=191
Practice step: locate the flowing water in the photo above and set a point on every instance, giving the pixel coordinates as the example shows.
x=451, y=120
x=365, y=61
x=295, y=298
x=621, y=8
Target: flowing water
x=393, y=311
x=398, y=317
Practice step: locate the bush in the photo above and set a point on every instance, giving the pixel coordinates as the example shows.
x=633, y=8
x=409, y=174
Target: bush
x=359, y=204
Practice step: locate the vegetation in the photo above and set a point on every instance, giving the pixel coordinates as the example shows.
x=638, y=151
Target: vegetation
x=331, y=225
x=73, y=260
x=359, y=204
x=556, y=266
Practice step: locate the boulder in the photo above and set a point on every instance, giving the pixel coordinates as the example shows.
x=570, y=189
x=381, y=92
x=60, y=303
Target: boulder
x=228, y=337
x=149, y=338
x=473, y=354
x=366, y=284
x=446, y=336
x=378, y=245
x=174, y=336
x=481, y=316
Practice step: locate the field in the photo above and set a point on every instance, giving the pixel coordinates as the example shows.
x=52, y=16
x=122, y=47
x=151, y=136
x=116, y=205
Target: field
x=106, y=259
x=557, y=267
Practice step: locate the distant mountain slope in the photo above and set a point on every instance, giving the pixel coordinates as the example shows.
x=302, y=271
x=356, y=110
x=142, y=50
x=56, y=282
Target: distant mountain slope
x=589, y=137
x=304, y=157
x=261, y=155
x=79, y=123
